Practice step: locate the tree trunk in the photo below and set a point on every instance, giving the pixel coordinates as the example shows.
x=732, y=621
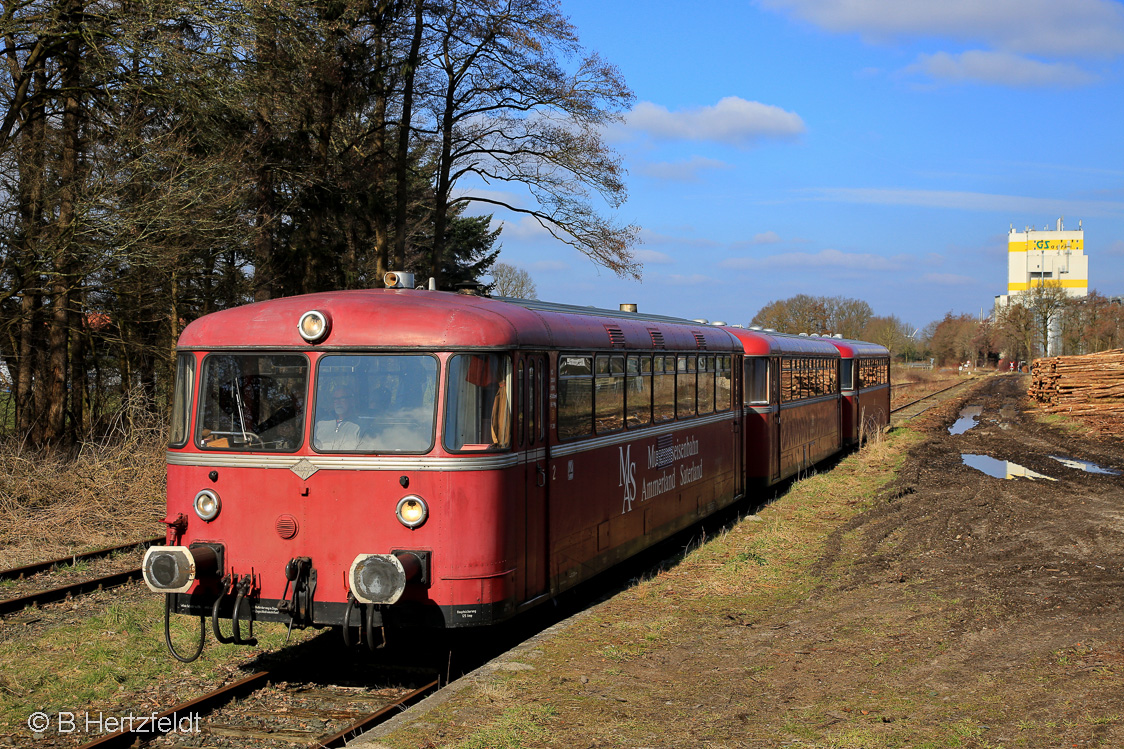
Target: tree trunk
x=401, y=165
x=62, y=276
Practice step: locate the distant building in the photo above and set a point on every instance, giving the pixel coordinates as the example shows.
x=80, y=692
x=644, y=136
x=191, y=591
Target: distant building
x=1039, y=256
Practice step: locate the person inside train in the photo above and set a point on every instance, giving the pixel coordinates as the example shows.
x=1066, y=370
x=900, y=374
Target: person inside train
x=342, y=431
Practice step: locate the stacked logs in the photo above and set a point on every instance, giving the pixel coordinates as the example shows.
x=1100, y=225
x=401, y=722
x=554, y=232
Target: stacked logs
x=1090, y=385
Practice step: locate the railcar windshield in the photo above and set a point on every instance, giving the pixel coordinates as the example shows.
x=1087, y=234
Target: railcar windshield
x=252, y=402
x=375, y=403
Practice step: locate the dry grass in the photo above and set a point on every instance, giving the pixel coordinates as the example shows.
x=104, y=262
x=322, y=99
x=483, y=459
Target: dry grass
x=103, y=493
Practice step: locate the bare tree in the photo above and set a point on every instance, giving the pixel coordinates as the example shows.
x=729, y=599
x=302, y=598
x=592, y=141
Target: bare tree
x=509, y=110
x=816, y=314
x=1046, y=301
x=889, y=332
x=514, y=282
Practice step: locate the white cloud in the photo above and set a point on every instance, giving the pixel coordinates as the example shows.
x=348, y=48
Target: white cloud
x=681, y=171
x=1079, y=28
x=1116, y=248
x=973, y=201
x=824, y=258
x=653, y=257
x=1001, y=68
x=732, y=121
x=949, y=279
x=525, y=229
x=767, y=237
x=649, y=237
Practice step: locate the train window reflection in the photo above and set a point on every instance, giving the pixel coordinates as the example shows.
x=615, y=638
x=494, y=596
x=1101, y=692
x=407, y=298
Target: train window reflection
x=638, y=395
x=685, y=386
x=380, y=403
x=252, y=402
x=575, y=396
x=706, y=384
x=663, y=388
x=756, y=381
x=608, y=395
x=722, y=382
x=181, y=399
x=478, y=403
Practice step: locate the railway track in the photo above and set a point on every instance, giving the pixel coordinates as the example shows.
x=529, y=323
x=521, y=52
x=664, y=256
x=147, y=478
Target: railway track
x=918, y=406
x=267, y=711
x=62, y=592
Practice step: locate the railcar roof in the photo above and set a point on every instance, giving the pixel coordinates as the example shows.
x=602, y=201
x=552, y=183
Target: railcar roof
x=436, y=320
x=849, y=348
x=760, y=343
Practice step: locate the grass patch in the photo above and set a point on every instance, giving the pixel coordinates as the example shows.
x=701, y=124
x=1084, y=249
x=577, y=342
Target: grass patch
x=604, y=679
x=113, y=660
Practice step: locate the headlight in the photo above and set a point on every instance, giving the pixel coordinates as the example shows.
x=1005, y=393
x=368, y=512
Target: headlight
x=412, y=511
x=207, y=505
x=313, y=326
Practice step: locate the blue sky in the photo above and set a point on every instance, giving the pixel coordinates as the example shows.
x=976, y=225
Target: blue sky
x=876, y=149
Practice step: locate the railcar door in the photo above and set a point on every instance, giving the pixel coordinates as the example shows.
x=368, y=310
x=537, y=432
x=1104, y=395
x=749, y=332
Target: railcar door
x=737, y=383
x=534, y=417
x=775, y=406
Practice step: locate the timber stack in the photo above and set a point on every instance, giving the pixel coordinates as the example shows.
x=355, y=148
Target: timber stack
x=1091, y=385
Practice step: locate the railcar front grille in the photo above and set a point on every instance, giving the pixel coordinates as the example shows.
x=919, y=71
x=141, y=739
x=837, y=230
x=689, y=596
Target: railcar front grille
x=286, y=526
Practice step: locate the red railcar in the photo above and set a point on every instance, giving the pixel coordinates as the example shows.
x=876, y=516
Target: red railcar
x=792, y=404
x=865, y=385
x=391, y=457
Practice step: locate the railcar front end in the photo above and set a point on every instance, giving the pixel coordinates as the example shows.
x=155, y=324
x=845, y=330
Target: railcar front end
x=343, y=460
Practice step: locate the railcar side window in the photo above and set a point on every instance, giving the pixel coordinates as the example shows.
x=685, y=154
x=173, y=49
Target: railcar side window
x=846, y=371
x=722, y=383
x=478, y=402
x=788, y=393
x=521, y=405
x=575, y=396
x=181, y=399
x=706, y=385
x=638, y=391
x=378, y=403
x=685, y=386
x=873, y=372
x=608, y=393
x=252, y=402
x=663, y=388
x=756, y=381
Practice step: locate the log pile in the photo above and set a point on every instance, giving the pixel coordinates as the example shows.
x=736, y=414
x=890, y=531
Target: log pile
x=1090, y=386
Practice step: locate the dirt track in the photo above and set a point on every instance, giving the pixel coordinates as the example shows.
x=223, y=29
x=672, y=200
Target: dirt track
x=1000, y=598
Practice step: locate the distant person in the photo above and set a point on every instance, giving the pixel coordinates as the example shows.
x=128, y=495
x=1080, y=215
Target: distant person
x=342, y=432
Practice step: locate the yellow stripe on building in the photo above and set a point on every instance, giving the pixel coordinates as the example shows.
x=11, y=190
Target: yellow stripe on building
x=1047, y=245
x=1076, y=284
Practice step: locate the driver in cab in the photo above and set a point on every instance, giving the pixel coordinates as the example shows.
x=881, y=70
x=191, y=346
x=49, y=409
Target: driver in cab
x=342, y=432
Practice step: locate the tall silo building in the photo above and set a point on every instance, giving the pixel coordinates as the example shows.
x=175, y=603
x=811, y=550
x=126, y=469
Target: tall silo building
x=1038, y=257
x=1046, y=257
